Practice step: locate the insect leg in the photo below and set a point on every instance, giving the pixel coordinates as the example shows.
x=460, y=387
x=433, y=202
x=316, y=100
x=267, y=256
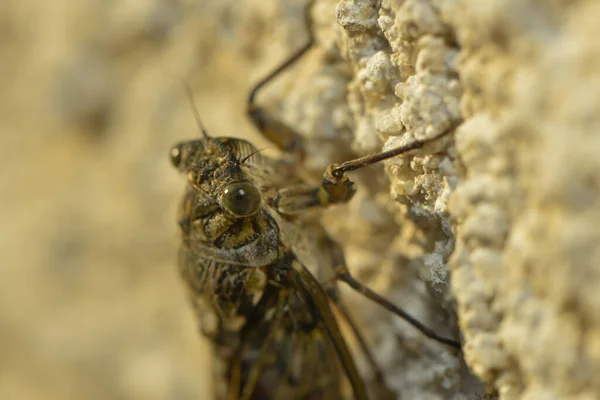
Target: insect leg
x=344, y=275
x=341, y=272
x=275, y=130
x=336, y=187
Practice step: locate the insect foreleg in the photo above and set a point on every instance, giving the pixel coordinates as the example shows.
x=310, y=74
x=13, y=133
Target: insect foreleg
x=336, y=187
x=297, y=198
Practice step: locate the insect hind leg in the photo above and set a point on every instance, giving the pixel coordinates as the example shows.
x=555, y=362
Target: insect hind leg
x=341, y=273
x=344, y=275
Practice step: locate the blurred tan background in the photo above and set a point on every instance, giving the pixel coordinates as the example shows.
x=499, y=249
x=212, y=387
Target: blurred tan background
x=91, y=101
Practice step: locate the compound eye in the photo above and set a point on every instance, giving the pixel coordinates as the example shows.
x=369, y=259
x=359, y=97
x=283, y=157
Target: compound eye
x=175, y=156
x=241, y=199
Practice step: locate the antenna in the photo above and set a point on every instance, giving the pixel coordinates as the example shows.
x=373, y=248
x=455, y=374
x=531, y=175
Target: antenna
x=190, y=95
x=253, y=153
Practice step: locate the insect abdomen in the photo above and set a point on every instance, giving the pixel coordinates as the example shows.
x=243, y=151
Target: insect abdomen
x=222, y=294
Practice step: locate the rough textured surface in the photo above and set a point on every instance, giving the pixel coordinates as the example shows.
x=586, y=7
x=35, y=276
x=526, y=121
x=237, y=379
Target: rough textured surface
x=403, y=87
x=524, y=173
x=527, y=262
x=91, y=305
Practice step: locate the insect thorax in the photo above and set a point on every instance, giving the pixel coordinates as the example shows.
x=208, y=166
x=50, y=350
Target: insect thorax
x=235, y=269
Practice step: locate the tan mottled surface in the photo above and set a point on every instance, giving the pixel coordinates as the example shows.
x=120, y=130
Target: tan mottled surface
x=91, y=305
x=527, y=265
x=90, y=302
x=519, y=189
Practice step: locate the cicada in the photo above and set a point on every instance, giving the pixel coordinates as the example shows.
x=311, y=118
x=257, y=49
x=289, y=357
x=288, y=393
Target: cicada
x=260, y=269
